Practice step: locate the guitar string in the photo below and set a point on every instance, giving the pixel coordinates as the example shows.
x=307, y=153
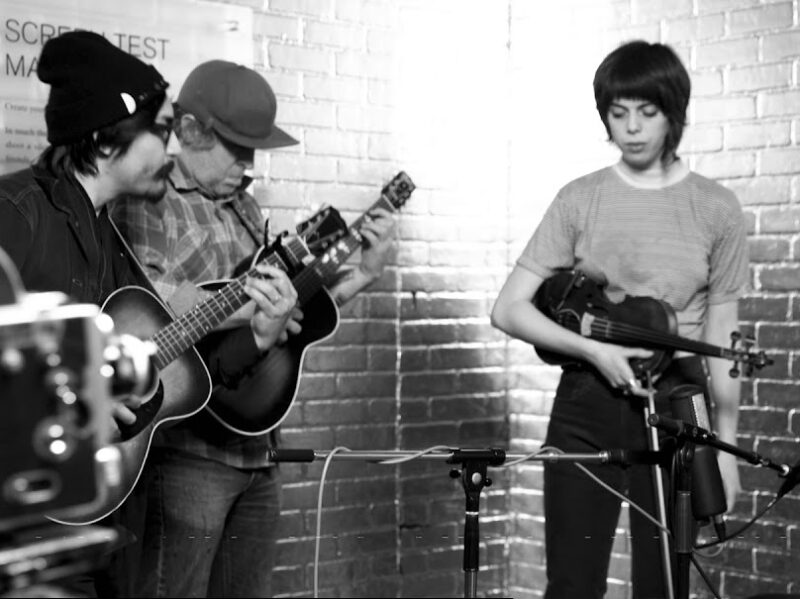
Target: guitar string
x=604, y=327
x=176, y=337
x=639, y=333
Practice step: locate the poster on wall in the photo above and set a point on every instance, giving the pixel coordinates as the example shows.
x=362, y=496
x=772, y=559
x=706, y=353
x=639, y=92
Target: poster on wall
x=173, y=36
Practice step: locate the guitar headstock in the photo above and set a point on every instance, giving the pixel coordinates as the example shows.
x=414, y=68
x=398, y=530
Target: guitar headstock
x=322, y=229
x=398, y=190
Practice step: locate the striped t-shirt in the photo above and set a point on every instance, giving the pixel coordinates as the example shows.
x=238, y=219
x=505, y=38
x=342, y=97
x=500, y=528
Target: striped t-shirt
x=684, y=243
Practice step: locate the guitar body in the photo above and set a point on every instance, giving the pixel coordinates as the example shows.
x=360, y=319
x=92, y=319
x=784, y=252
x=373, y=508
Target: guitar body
x=264, y=397
x=184, y=388
x=572, y=299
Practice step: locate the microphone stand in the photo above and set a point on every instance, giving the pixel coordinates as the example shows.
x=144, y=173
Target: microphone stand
x=683, y=522
x=687, y=436
x=473, y=474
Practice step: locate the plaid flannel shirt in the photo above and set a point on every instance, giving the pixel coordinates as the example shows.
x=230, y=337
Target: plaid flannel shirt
x=189, y=237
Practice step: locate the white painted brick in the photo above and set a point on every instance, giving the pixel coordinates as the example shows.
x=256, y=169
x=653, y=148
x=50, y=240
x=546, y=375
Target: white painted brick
x=382, y=41
x=307, y=113
x=363, y=65
x=706, y=83
x=779, y=104
x=364, y=118
x=381, y=146
x=283, y=83
x=701, y=139
x=781, y=45
x=335, y=143
x=369, y=12
x=706, y=110
x=413, y=253
x=736, y=52
x=303, y=168
x=761, y=190
x=339, y=89
x=654, y=10
x=760, y=18
x=381, y=93
x=299, y=58
x=762, y=76
x=316, y=8
x=693, y=29
x=345, y=197
x=364, y=171
x=780, y=161
x=758, y=135
x=643, y=31
x=335, y=34
x=704, y=6
x=285, y=194
x=726, y=164
x=275, y=26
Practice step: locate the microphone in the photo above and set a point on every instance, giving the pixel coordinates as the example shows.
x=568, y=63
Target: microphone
x=792, y=480
x=688, y=403
x=680, y=429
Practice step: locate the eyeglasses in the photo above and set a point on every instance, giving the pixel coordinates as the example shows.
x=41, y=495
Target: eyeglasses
x=161, y=130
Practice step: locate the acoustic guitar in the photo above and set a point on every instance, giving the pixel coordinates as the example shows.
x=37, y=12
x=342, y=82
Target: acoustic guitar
x=184, y=385
x=263, y=399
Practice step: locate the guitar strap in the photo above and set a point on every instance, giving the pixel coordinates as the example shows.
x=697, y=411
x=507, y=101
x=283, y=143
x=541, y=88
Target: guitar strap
x=253, y=230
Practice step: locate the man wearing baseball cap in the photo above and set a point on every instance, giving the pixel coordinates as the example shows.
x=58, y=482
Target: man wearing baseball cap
x=213, y=485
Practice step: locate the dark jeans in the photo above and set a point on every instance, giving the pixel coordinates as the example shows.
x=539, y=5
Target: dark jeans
x=581, y=516
x=211, y=530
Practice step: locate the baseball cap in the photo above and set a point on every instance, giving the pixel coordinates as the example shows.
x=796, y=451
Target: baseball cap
x=236, y=102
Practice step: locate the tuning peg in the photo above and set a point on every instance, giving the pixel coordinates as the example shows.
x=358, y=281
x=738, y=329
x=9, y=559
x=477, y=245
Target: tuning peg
x=734, y=371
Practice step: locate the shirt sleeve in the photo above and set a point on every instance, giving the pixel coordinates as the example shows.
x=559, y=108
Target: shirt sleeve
x=552, y=244
x=728, y=277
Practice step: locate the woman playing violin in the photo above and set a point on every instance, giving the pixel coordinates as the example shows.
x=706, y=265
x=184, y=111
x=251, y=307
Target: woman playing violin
x=645, y=226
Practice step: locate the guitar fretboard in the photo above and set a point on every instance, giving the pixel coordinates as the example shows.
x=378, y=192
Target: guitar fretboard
x=190, y=327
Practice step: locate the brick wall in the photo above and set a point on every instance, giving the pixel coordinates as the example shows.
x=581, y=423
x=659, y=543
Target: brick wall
x=487, y=105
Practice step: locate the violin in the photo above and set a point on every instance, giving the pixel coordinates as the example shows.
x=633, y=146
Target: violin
x=578, y=303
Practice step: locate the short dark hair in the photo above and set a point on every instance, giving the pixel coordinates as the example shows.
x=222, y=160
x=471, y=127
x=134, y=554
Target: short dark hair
x=81, y=156
x=639, y=70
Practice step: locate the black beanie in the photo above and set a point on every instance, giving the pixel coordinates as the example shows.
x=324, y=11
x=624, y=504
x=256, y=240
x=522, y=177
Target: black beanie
x=92, y=84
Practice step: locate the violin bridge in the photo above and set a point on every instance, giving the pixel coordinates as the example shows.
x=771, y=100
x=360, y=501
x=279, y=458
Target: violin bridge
x=586, y=324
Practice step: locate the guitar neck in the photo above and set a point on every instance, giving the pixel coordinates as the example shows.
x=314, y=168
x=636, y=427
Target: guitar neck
x=316, y=274
x=190, y=327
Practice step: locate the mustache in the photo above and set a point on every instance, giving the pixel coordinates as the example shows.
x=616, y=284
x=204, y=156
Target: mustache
x=164, y=171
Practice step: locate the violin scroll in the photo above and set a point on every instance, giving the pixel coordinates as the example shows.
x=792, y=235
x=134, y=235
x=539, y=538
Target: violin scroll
x=751, y=359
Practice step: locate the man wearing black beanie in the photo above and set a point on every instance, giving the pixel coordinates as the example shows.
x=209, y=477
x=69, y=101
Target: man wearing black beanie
x=108, y=118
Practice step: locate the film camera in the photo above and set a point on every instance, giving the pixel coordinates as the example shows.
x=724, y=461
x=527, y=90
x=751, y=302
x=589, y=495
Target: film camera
x=61, y=367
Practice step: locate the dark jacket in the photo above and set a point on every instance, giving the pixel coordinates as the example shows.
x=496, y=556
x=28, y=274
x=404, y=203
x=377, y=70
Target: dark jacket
x=49, y=229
